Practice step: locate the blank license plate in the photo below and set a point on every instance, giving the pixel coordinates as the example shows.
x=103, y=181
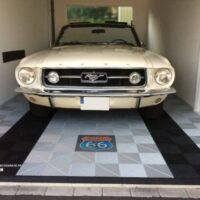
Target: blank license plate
x=95, y=103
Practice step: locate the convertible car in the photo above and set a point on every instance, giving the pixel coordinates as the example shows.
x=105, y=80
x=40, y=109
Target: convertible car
x=96, y=67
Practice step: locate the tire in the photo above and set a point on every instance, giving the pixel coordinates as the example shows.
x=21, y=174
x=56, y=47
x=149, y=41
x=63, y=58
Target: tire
x=40, y=111
x=152, y=112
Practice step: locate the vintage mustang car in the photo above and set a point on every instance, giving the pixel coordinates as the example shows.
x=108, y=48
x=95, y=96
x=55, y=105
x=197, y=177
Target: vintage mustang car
x=96, y=67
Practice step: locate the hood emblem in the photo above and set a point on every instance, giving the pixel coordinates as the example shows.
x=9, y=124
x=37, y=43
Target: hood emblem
x=94, y=77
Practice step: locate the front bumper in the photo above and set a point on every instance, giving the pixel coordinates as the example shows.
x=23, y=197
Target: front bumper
x=119, y=99
x=99, y=93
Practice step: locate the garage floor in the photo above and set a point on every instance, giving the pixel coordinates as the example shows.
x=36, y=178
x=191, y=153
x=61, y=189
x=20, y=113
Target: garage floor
x=134, y=148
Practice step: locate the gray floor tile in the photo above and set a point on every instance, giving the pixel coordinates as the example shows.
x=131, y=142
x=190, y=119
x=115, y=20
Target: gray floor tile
x=62, y=166
x=140, y=132
x=127, y=148
x=192, y=132
x=58, y=157
x=129, y=158
x=82, y=170
x=148, y=148
x=122, y=132
x=156, y=171
x=152, y=158
x=39, y=157
x=4, y=129
x=65, y=147
x=31, y=169
x=143, y=139
x=57, y=169
x=196, y=139
x=107, y=170
x=124, y=139
x=106, y=158
x=187, y=126
x=132, y=170
x=2, y=117
x=83, y=157
x=51, y=137
x=40, y=146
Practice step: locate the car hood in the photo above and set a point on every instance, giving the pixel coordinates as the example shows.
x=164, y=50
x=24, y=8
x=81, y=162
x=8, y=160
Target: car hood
x=96, y=56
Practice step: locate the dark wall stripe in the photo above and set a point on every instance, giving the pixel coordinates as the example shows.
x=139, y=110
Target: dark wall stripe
x=18, y=142
x=13, y=55
x=179, y=151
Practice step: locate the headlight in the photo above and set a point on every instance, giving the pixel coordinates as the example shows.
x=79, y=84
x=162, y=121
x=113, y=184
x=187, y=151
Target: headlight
x=27, y=76
x=53, y=77
x=163, y=76
x=135, y=78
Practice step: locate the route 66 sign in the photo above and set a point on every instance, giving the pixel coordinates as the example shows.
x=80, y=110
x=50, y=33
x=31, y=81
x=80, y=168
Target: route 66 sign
x=96, y=143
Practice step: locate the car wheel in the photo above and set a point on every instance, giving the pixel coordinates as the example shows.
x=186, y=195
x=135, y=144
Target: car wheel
x=152, y=112
x=40, y=111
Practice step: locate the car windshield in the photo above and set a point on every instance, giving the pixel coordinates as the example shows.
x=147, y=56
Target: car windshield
x=97, y=35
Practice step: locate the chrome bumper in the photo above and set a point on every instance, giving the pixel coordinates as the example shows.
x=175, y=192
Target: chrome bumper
x=99, y=93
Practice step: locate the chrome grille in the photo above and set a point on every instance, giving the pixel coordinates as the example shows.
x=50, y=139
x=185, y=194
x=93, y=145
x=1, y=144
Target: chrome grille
x=97, y=77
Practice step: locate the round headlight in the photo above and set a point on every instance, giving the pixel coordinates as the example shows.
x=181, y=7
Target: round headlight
x=163, y=76
x=27, y=76
x=135, y=78
x=53, y=77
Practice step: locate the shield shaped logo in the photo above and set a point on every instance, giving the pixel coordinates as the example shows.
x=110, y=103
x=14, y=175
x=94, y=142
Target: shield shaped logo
x=96, y=143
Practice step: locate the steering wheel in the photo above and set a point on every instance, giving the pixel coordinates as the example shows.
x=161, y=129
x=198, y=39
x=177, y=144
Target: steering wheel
x=119, y=40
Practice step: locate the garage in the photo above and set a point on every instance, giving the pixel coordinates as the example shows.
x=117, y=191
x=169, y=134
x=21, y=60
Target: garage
x=66, y=118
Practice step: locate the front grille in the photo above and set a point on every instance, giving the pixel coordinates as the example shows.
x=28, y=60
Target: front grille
x=115, y=77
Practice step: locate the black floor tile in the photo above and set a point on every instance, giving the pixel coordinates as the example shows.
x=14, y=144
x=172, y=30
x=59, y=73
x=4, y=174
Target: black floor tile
x=175, y=159
x=193, y=158
x=170, y=149
x=184, y=171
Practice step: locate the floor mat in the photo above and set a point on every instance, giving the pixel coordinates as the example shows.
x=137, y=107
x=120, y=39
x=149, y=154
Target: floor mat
x=68, y=147
x=55, y=153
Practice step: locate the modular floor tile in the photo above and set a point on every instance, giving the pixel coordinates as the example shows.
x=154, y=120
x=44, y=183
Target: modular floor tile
x=153, y=150
x=11, y=112
x=56, y=147
x=183, y=115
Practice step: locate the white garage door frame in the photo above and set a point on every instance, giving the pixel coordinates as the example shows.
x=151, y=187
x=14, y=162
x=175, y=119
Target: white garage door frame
x=197, y=99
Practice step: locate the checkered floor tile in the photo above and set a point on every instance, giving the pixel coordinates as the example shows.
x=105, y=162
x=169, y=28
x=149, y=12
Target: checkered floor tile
x=11, y=112
x=137, y=154
x=183, y=115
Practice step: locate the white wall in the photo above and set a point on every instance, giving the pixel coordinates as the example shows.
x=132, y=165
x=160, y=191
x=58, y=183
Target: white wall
x=174, y=31
x=24, y=25
x=141, y=8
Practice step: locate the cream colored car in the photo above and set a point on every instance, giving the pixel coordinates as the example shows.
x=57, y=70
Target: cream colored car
x=96, y=67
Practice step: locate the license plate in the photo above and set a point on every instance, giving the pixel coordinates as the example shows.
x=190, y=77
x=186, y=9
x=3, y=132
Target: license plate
x=95, y=103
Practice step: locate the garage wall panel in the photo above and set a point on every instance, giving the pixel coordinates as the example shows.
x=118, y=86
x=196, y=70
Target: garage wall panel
x=174, y=31
x=24, y=26
x=141, y=8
